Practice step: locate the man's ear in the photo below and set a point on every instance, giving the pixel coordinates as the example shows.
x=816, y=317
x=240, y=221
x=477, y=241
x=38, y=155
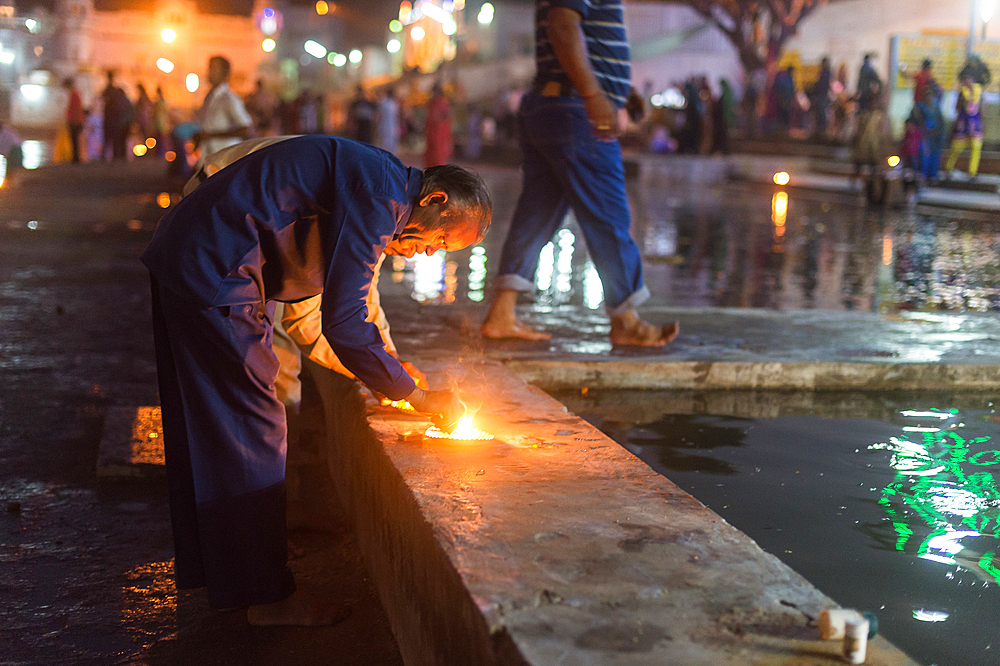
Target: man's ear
x=436, y=197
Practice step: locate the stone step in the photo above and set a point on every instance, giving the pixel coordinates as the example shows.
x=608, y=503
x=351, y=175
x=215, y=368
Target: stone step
x=551, y=544
x=131, y=443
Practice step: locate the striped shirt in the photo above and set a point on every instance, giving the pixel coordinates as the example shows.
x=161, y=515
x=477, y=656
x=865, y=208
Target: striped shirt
x=603, y=26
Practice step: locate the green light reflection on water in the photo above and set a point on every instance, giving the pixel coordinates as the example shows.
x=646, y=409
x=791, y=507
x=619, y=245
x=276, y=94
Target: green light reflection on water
x=941, y=496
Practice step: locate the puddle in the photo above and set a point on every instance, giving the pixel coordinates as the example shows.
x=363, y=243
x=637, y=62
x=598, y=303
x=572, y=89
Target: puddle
x=885, y=502
x=735, y=247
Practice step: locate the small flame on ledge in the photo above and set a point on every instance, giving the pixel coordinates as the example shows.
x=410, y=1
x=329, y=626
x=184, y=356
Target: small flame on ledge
x=465, y=430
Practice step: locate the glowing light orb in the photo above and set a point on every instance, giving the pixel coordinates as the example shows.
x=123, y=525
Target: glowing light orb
x=139, y=150
x=893, y=160
x=781, y=178
x=168, y=35
x=268, y=45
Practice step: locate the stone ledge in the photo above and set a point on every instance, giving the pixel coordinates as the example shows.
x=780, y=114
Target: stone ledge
x=131, y=443
x=721, y=375
x=552, y=544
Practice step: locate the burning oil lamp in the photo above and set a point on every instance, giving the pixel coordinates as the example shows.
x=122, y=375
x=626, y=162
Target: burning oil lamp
x=465, y=431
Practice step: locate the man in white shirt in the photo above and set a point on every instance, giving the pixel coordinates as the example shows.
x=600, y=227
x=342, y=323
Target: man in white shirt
x=224, y=119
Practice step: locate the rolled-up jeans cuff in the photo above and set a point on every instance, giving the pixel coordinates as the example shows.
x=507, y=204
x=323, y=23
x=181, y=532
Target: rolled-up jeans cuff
x=633, y=301
x=513, y=281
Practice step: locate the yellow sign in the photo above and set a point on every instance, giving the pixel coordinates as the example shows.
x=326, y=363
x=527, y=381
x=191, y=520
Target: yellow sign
x=947, y=56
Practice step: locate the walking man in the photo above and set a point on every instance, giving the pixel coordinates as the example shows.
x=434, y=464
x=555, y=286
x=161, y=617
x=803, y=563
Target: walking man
x=569, y=122
x=294, y=219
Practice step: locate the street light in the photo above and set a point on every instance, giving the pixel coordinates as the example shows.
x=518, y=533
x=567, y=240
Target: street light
x=168, y=35
x=315, y=49
x=486, y=13
x=322, y=7
x=987, y=8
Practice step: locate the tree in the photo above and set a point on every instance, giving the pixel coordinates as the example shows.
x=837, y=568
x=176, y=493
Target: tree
x=757, y=28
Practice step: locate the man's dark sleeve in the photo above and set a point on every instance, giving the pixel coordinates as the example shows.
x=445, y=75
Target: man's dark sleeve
x=368, y=226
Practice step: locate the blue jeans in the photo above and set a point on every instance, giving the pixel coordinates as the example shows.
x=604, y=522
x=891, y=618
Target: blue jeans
x=566, y=166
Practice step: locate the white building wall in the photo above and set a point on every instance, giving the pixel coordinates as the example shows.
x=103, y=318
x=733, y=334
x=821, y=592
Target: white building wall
x=848, y=29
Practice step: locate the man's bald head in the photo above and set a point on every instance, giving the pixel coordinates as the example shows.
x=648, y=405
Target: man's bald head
x=452, y=211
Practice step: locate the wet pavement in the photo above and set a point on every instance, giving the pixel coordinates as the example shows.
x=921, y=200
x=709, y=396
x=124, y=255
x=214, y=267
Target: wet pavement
x=86, y=568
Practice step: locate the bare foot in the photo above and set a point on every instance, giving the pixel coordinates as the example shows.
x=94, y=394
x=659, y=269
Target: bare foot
x=297, y=610
x=639, y=333
x=501, y=321
x=498, y=330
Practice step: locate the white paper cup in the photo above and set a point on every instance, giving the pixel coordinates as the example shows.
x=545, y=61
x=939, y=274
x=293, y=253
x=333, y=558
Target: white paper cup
x=833, y=622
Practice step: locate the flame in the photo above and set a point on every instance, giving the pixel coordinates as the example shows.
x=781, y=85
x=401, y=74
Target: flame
x=465, y=430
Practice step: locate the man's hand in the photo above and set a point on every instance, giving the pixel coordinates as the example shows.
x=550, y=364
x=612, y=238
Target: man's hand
x=443, y=406
x=603, y=116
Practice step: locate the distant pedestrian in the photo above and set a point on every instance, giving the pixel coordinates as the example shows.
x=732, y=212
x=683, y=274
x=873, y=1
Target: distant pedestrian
x=869, y=84
x=161, y=122
x=438, y=130
x=388, y=121
x=117, y=119
x=262, y=105
x=909, y=152
x=75, y=117
x=724, y=117
x=819, y=98
x=784, y=97
x=927, y=116
x=361, y=117
x=921, y=80
x=968, y=129
x=868, y=150
x=689, y=140
x=223, y=120
x=144, y=108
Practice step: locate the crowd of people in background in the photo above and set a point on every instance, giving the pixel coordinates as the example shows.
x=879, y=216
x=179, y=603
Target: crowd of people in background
x=698, y=119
